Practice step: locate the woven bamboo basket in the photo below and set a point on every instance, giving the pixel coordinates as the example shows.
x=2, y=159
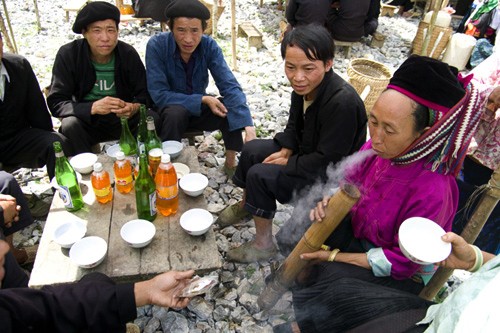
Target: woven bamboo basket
x=437, y=42
x=369, y=78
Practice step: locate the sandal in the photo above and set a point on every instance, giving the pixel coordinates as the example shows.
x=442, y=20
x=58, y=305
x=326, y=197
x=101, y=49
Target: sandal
x=232, y=215
x=247, y=253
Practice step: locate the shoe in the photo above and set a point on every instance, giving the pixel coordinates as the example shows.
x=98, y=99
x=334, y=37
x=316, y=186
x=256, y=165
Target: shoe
x=232, y=215
x=229, y=171
x=246, y=253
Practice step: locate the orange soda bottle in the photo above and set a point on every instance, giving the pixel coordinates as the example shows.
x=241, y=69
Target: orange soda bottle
x=123, y=173
x=167, y=188
x=101, y=184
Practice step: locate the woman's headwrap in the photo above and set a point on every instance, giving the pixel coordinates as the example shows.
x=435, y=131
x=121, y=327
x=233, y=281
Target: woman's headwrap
x=454, y=112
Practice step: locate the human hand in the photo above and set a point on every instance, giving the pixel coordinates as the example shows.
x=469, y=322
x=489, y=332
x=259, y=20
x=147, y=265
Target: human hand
x=4, y=248
x=10, y=209
x=107, y=105
x=318, y=212
x=215, y=105
x=462, y=254
x=250, y=133
x=162, y=290
x=315, y=257
x=280, y=157
x=128, y=111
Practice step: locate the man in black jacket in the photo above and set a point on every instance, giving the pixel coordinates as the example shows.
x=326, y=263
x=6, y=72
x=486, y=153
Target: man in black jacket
x=327, y=122
x=96, y=80
x=26, y=132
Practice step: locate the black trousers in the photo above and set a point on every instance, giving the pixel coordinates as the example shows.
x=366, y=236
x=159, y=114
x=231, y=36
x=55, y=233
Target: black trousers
x=9, y=185
x=176, y=119
x=264, y=183
x=32, y=147
x=82, y=136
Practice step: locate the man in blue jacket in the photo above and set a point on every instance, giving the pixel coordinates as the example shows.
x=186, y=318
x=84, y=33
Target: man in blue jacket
x=177, y=67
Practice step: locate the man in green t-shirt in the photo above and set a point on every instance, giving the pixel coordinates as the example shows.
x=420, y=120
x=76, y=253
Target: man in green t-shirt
x=96, y=80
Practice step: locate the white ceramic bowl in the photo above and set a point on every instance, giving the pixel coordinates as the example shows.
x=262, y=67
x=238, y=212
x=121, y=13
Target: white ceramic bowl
x=69, y=233
x=83, y=163
x=173, y=148
x=112, y=150
x=196, y=221
x=181, y=169
x=138, y=233
x=193, y=184
x=420, y=241
x=88, y=252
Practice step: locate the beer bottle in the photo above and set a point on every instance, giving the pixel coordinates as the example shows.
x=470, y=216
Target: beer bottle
x=145, y=191
x=101, y=184
x=167, y=190
x=123, y=173
x=69, y=189
x=152, y=139
x=127, y=142
x=142, y=132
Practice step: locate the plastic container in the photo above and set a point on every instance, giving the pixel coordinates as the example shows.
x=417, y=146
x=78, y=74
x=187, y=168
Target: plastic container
x=167, y=188
x=123, y=173
x=458, y=51
x=101, y=184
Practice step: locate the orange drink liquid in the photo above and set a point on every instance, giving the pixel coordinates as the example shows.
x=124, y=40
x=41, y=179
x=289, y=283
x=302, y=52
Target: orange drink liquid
x=101, y=184
x=154, y=158
x=167, y=189
x=123, y=174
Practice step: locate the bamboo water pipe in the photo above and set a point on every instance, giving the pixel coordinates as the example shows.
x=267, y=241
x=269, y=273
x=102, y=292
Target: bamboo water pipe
x=472, y=229
x=338, y=207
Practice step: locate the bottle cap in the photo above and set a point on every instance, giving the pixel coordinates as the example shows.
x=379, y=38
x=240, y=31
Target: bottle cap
x=165, y=158
x=98, y=167
x=120, y=155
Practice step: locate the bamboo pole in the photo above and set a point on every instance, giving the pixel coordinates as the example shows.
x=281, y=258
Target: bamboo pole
x=233, y=33
x=338, y=207
x=37, y=13
x=215, y=10
x=472, y=229
x=430, y=30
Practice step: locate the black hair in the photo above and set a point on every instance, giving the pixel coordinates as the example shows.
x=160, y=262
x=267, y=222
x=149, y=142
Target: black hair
x=171, y=20
x=421, y=115
x=313, y=39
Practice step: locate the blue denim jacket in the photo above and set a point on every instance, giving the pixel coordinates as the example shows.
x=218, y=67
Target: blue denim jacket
x=167, y=79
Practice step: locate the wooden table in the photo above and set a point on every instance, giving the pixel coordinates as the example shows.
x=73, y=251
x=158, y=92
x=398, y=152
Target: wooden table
x=171, y=248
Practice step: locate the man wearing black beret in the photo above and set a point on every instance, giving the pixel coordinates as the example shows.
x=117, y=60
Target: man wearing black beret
x=97, y=80
x=178, y=63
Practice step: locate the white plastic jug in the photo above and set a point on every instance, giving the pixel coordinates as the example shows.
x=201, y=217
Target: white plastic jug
x=459, y=50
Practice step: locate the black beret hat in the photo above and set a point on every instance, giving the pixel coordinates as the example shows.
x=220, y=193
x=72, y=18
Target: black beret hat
x=429, y=82
x=93, y=12
x=187, y=8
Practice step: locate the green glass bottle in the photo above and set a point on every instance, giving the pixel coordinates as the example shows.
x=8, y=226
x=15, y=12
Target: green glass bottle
x=145, y=191
x=68, y=187
x=127, y=141
x=152, y=140
x=142, y=132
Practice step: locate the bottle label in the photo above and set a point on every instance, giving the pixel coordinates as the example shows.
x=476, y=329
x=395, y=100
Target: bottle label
x=65, y=196
x=102, y=192
x=152, y=203
x=142, y=148
x=124, y=181
x=166, y=192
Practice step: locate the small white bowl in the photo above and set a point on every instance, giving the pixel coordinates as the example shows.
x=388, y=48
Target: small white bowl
x=181, y=169
x=69, y=233
x=172, y=147
x=193, y=184
x=420, y=241
x=138, y=233
x=196, y=221
x=112, y=150
x=88, y=252
x=83, y=163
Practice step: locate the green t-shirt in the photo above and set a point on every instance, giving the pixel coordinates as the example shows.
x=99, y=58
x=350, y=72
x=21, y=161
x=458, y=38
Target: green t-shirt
x=105, y=81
